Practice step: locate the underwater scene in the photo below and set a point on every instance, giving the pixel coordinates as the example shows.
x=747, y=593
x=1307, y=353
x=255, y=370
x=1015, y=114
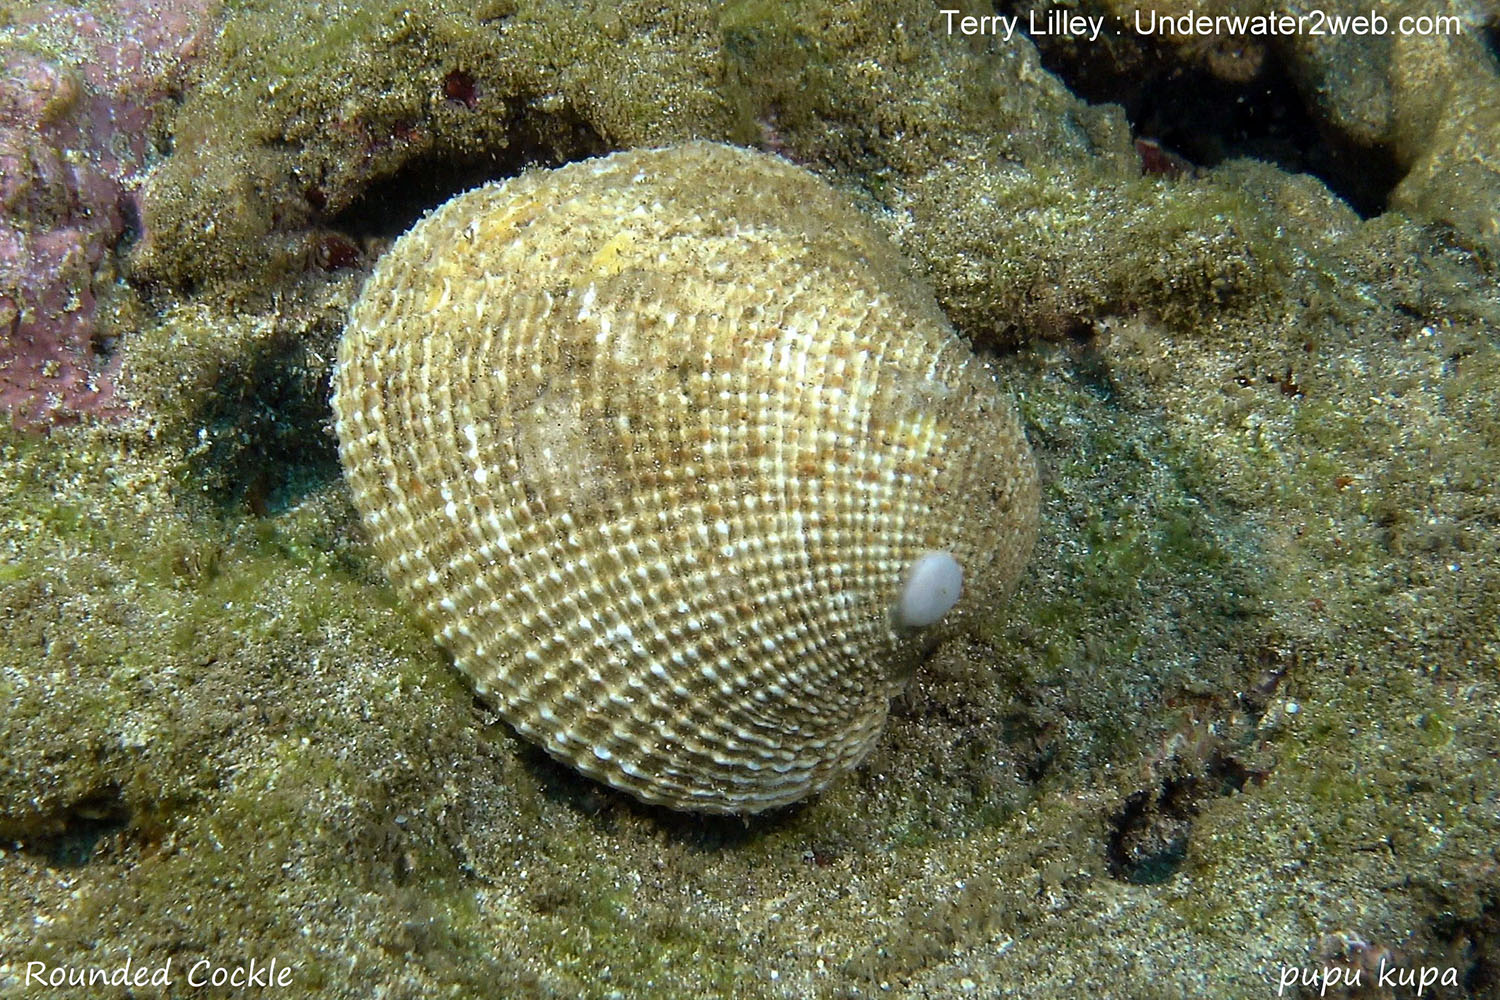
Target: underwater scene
x=811, y=499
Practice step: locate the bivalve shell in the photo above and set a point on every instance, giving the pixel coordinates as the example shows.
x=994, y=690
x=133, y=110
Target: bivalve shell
x=659, y=445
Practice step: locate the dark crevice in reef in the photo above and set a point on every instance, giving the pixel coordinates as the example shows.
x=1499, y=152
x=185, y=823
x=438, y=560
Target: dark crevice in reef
x=77, y=833
x=1223, y=99
x=1149, y=834
x=388, y=207
x=1034, y=742
x=264, y=445
x=1474, y=948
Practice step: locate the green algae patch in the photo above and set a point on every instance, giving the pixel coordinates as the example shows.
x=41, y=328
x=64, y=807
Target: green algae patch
x=1359, y=796
x=1130, y=522
x=204, y=734
x=124, y=627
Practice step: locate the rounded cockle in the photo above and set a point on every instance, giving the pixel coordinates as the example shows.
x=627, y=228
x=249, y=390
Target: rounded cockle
x=681, y=466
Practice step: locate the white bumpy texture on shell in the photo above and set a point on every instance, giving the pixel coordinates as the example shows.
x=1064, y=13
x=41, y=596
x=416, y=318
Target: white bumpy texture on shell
x=651, y=442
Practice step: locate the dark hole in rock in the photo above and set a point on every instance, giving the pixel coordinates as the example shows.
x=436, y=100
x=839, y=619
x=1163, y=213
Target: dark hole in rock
x=388, y=207
x=1232, y=99
x=84, y=825
x=264, y=444
x=1149, y=834
x=1148, y=837
x=460, y=87
x=1472, y=945
x=130, y=222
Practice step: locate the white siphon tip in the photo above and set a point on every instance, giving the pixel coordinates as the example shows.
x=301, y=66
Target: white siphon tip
x=933, y=584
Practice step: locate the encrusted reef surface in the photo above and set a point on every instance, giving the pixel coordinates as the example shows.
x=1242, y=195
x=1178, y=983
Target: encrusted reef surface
x=1237, y=723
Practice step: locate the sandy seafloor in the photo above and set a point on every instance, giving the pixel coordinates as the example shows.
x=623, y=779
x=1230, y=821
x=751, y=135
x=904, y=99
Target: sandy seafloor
x=1236, y=728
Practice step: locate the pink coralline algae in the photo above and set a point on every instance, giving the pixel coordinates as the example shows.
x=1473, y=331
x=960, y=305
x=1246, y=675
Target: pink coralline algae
x=72, y=143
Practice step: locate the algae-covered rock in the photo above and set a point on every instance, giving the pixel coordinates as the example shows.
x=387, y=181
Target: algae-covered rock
x=1237, y=723
x=1394, y=103
x=308, y=109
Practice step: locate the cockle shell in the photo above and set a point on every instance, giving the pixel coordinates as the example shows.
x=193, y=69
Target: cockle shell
x=652, y=442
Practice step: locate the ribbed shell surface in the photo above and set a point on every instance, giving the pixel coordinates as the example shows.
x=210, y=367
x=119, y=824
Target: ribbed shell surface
x=650, y=441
